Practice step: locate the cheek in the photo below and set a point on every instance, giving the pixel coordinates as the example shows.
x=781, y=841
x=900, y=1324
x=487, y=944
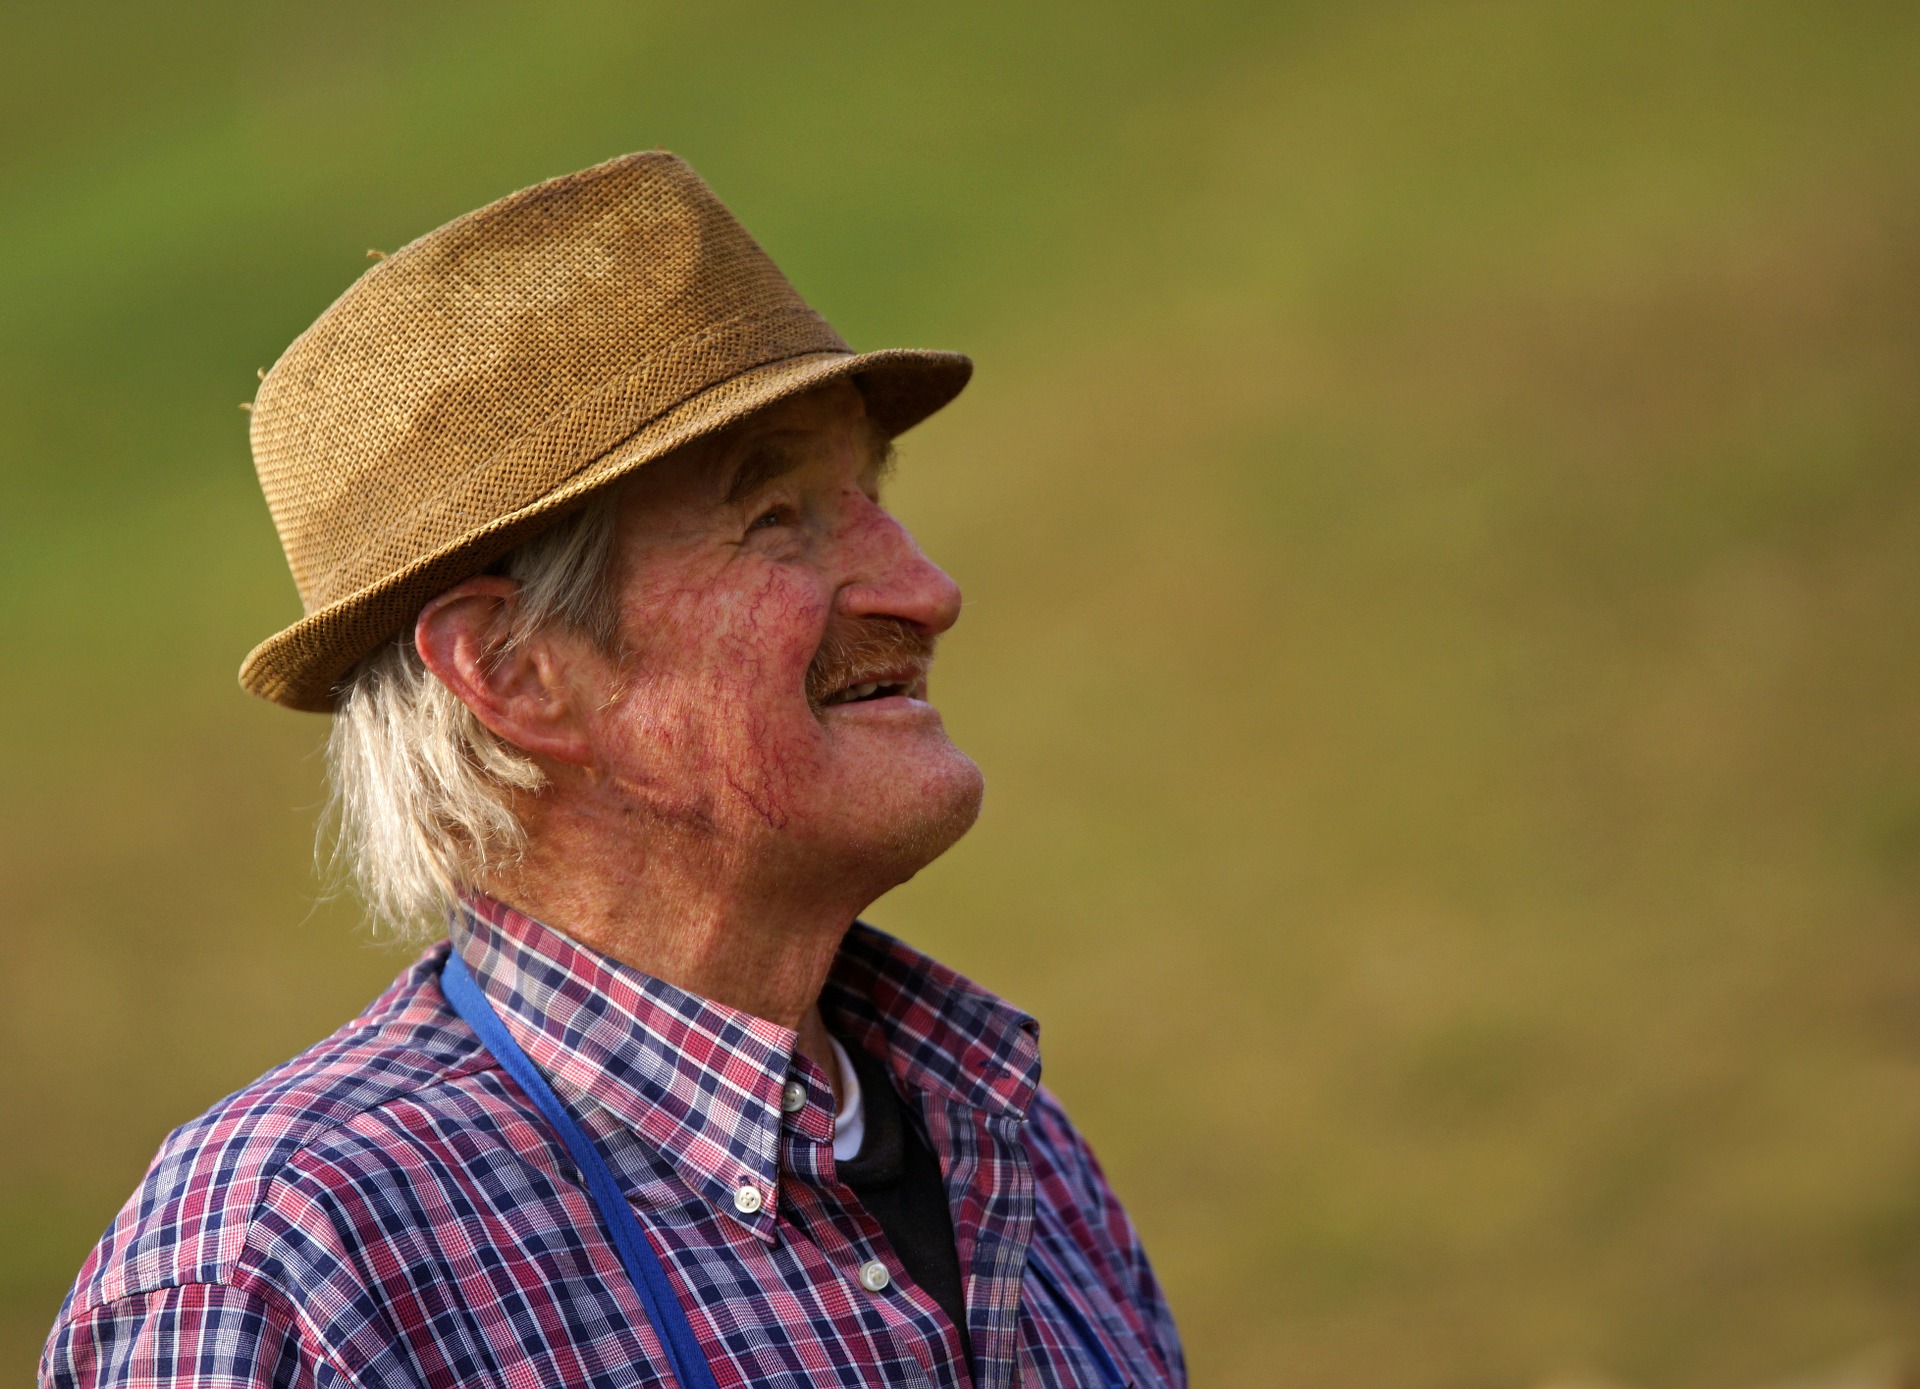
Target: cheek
x=714, y=715
x=730, y=636
x=767, y=633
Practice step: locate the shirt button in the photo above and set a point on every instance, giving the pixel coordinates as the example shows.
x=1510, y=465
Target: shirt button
x=874, y=1276
x=747, y=1200
x=793, y=1098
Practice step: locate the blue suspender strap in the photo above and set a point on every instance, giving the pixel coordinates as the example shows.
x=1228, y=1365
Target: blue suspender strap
x=643, y=1265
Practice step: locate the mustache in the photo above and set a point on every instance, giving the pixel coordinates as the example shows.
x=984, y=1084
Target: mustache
x=859, y=649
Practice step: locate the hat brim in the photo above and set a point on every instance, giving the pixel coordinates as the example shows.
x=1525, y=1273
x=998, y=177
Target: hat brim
x=302, y=666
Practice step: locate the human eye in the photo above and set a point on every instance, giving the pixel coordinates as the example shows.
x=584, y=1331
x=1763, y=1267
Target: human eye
x=771, y=517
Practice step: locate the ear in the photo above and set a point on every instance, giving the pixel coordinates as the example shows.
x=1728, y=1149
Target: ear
x=518, y=690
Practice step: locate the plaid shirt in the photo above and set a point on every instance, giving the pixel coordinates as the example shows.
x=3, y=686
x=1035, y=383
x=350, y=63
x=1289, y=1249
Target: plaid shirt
x=389, y=1210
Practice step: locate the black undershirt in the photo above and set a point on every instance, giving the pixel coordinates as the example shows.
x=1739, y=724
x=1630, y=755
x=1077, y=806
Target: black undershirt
x=897, y=1178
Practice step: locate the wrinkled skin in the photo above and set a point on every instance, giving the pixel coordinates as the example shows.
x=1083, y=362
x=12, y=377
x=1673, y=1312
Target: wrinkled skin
x=705, y=820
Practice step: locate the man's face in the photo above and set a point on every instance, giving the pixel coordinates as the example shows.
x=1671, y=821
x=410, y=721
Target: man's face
x=772, y=698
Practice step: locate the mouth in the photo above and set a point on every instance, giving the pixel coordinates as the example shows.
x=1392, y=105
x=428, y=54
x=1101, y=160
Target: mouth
x=869, y=660
x=874, y=686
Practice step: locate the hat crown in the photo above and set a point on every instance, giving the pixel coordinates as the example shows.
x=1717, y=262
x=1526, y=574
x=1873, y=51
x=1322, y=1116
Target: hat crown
x=479, y=367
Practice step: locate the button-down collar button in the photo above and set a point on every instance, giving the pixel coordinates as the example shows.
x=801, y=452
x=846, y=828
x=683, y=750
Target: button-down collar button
x=793, y=1098
x=874, y=1276
x=747, y=1199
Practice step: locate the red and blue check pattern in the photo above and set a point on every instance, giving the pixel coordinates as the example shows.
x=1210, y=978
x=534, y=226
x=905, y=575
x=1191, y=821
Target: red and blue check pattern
x=389, y=1210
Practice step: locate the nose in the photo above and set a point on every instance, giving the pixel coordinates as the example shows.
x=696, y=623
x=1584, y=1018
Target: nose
x=892, y=577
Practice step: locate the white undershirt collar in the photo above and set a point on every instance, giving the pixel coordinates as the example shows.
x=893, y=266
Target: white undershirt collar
x=850, y=1123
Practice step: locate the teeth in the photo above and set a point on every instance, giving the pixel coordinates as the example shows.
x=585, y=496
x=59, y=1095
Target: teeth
x=867, y=690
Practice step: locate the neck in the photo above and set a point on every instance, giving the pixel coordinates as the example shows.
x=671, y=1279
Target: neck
x=762, y=948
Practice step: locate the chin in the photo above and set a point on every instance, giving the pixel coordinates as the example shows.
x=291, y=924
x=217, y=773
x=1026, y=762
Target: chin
x=951, y=813
x=914, y=816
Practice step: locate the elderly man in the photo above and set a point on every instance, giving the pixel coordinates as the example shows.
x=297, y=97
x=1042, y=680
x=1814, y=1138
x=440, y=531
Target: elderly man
x=628, y=669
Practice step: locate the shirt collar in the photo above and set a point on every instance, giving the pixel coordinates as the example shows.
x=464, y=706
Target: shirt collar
x=700, y=1083
x=939, y=1031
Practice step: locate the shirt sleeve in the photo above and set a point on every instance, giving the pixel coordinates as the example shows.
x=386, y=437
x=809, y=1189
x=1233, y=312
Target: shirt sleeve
x=203, y=1335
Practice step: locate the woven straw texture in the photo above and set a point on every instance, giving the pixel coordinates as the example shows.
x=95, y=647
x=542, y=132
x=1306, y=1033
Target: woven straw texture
x=475, y=385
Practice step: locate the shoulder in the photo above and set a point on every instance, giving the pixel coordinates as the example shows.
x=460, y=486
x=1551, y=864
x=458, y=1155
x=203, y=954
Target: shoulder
x=1051, y=1134
x=1086, y=1233
x=322, y=1118
x=1064, y=1166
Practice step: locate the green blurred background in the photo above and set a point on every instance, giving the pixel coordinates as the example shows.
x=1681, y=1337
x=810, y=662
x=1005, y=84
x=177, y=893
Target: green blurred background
x=1441, y=523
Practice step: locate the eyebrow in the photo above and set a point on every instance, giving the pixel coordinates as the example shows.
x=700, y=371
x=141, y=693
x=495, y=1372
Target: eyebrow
x=773, y=457
x=768, y=459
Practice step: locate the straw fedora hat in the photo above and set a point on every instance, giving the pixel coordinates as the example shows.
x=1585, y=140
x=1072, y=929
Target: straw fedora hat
x=478, y=384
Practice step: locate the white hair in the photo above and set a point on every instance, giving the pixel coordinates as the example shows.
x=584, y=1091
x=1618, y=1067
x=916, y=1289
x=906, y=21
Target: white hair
x=422, y=791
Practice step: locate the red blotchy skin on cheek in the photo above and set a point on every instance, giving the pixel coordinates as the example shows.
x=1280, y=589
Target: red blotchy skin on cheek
x=699, y=745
